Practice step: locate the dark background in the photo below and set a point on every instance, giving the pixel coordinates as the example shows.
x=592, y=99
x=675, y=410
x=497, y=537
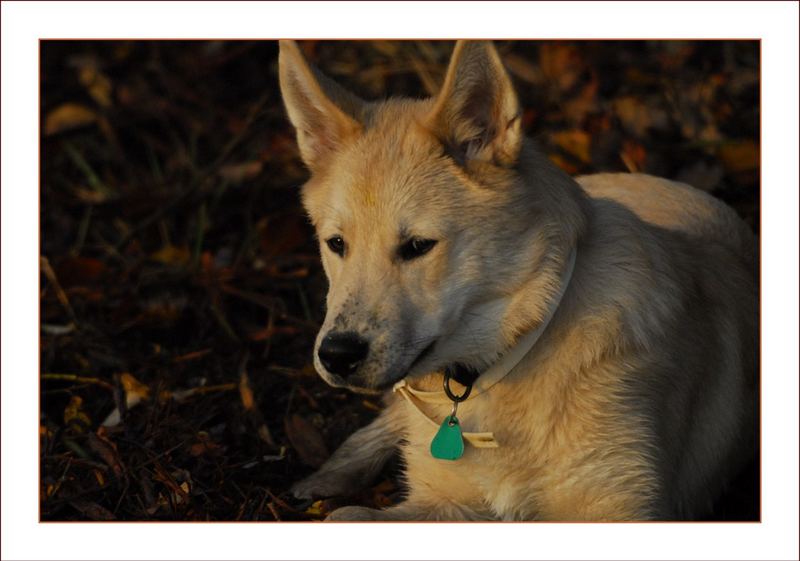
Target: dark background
x=181, y=288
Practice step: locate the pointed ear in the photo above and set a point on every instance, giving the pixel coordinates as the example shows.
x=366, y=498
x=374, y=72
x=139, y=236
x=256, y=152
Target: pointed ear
x=325, y=115
x=477, y=115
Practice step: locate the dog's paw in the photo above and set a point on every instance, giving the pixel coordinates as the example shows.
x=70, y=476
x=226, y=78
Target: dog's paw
x=353, y=514
x=321, y=485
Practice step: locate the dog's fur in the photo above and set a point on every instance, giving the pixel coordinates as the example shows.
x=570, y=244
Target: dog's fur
x=638, y=402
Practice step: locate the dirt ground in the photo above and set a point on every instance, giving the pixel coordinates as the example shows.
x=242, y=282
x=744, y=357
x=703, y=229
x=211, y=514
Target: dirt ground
x=181, y=288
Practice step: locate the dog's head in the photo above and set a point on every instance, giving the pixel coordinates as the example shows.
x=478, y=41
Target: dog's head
x=425, y=226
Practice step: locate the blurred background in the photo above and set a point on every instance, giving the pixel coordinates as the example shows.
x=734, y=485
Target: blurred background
x=181, y=288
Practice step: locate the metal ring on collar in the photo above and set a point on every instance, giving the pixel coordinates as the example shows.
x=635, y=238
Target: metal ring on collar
x=450, y=394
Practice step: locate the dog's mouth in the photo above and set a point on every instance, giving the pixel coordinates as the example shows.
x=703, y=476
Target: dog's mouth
x=420, y=357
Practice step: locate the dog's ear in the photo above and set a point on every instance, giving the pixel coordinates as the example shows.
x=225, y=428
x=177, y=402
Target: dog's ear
x=476, y=114
x=324, y=114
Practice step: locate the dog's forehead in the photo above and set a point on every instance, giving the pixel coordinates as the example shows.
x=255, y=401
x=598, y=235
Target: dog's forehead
x=393, y=171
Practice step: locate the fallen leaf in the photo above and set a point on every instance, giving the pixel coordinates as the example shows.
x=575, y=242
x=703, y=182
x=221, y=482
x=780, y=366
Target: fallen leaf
x=583, y=104
x=135, y=393
x=270, y=331
x=96, y=83
x=562, y=163
x=638, y=118
x=134, y=389
x=205, y=445
x=239, y=173
x=171, y=255
x=740, y=156
x=369, y=405
x=184, y=496
x=192, y=356
x=107, y=450
x=306, y=440
x=265, y=435
x=92, y=510
x=574, y=142
x=633, y=155
x=79, y=271
x=75, y=416
x=246, y=393
x=316, y=509
x=67, y=117
x=561, y=64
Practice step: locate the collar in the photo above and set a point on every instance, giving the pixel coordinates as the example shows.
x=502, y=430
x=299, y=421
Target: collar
x=502, y=367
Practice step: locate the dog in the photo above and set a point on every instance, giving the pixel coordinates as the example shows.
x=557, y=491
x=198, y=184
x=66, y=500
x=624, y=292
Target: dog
x=609, y=321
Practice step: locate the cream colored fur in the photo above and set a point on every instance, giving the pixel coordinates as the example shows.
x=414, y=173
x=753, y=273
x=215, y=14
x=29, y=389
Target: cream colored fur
x=639, y=400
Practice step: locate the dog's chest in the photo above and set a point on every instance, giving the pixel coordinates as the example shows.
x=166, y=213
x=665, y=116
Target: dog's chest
x=495, y=480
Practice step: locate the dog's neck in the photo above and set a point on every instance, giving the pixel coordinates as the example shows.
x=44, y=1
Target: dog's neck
x=483, y=379
x=560, y=215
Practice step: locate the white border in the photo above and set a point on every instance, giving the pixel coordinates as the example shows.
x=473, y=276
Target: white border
x=22, y=26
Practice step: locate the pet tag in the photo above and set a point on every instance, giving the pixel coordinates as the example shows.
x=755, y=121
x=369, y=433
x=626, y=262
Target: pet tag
x=448, y=443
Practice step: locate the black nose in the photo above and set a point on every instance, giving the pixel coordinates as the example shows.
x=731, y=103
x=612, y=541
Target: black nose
x=342, y=353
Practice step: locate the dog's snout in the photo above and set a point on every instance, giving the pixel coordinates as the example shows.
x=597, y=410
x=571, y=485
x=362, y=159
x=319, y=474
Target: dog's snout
x=342, y=353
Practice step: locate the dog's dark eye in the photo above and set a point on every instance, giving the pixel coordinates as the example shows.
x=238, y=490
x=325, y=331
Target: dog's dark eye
x=336, y=245
x=415, y=247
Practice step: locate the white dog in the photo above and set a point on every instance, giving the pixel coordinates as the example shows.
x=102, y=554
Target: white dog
x=606, y=326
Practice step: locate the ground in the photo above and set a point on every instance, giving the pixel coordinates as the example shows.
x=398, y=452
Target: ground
x=181, y=288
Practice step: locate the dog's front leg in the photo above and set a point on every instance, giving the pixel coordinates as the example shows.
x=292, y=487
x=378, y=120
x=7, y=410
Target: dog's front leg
x=356, y=463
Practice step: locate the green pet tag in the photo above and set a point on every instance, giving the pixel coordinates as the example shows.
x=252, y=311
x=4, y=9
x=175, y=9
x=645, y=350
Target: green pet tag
x=448, y=443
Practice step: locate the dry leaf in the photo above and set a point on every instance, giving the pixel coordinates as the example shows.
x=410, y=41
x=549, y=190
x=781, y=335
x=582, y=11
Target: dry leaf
x=135, y=393
x=134, y=389
x=370, y=405
x=269, y=331
x=574, y=142
x=96, y=83
x=92, y=510
x=75, y=416
x=238, y=173
x=634, y=156
x=561, y=64
x=562, y=162
x=67, y=117
x=306, y=440
x=638, y=118
x=316, y=509
x=205, y=446
x=740, y=156
x=106, y=449
x=79, y=271
x=265, y=435
x=248, y=401
x=171, y=255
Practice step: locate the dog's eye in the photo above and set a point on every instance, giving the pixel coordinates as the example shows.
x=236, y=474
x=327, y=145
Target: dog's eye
x=415, y=247
x=336, y=245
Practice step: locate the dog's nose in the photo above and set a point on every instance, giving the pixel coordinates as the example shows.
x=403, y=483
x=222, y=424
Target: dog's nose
x=342, y=353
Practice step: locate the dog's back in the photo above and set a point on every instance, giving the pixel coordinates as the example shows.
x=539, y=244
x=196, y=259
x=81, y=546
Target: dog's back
x=675, y=206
